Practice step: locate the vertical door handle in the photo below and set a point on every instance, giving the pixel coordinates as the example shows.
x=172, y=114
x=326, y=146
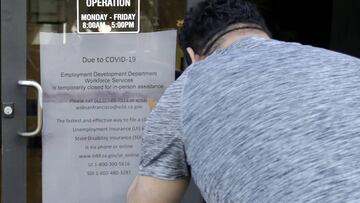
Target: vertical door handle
x=37, y=86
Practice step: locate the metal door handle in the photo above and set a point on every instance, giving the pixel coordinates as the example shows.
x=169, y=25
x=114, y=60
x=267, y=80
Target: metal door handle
x=29, y=83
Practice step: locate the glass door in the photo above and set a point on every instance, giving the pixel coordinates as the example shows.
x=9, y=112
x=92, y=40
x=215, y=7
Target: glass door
x=23, y=23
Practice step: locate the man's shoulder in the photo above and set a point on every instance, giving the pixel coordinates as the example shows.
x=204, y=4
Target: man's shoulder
x=304, y=51
x=258, y=51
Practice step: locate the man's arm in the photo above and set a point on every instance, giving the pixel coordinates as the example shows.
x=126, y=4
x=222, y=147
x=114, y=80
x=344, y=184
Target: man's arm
x=153, y=190
x=163, y=171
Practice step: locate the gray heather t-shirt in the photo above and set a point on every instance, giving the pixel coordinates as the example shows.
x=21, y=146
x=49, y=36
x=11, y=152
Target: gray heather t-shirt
x=261, y=121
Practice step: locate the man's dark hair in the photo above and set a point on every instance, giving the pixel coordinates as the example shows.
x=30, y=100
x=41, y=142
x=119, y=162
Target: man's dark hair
x=210, y=17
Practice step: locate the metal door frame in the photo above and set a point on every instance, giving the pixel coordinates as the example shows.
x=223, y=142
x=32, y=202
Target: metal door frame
x=13, y=69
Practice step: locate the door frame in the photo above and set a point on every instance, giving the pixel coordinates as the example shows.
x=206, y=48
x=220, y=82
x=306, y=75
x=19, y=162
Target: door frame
x=13, y=69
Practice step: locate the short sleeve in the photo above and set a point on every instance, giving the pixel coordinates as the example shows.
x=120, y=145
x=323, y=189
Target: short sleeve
x=163, y=154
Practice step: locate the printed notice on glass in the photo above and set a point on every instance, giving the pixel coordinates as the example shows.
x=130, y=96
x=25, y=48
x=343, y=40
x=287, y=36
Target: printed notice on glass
x=108, y=16
x=98, y=91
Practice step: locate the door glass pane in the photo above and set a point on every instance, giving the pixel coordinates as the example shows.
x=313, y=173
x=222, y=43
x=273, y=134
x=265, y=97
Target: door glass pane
x=59, y=16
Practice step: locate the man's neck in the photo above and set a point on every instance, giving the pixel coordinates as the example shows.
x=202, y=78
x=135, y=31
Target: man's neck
x=229, y=36
x=236, y=35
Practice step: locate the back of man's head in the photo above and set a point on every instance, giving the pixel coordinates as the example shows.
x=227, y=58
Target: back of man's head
x=210, y=18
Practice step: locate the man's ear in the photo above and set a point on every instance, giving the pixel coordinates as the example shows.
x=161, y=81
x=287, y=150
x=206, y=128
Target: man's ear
x=194, y=57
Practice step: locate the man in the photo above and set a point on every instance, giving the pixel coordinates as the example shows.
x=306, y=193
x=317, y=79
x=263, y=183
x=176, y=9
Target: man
x=253, y=119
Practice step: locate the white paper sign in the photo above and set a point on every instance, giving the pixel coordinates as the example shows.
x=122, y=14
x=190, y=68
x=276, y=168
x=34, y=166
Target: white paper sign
x=97, y=91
